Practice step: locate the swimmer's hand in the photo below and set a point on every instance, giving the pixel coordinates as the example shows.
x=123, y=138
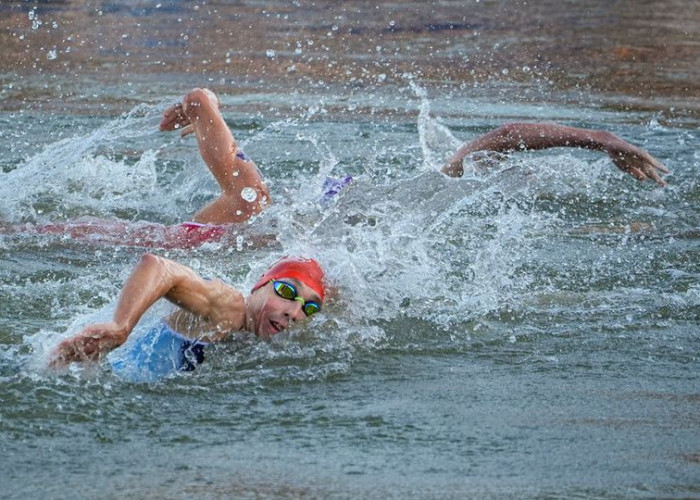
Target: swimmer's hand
x=92, y=344
x=175, y=117
x=633, y=160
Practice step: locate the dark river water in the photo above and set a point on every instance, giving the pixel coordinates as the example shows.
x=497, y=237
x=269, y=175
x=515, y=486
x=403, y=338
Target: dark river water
x=530, y=330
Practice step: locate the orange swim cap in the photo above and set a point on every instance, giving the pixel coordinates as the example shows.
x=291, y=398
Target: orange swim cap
x=308, y=271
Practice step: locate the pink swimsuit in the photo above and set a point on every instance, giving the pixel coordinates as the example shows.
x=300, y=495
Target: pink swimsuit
x=139, y=234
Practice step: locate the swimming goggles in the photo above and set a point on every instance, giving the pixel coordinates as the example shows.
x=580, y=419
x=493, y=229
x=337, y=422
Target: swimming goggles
x=288, y=291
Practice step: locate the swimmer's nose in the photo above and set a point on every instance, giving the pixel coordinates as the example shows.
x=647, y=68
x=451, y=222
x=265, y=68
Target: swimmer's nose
x=296, y=313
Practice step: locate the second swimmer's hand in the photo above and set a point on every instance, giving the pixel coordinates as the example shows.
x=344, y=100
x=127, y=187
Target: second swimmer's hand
x=634, y=161
x=92, y=344
x=174, y=118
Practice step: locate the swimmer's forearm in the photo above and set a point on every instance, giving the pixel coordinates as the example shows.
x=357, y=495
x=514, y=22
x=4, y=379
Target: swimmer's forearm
x=244, y=192
x=529, y=136
x=152, y=279
x=140, y=291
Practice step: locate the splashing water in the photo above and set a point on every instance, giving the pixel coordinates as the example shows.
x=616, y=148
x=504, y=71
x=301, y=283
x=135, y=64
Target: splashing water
x=73, y=174
x=544, y=275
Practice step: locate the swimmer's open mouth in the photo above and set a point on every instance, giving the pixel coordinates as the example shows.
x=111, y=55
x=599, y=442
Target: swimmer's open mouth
x=276, y=326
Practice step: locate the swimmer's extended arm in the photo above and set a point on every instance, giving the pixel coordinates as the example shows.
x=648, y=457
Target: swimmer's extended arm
x=199, y=114
x=529, y=136
x=154, y=278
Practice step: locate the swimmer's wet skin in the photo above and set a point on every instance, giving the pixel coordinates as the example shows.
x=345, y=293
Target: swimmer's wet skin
x=515, y=137
x=290, y=291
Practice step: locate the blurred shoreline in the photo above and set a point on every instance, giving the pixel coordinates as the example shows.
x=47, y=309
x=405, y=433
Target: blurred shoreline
x=70, y=49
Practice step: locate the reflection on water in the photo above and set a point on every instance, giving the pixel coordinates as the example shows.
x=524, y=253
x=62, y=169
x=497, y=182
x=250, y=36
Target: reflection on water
x=528, y=330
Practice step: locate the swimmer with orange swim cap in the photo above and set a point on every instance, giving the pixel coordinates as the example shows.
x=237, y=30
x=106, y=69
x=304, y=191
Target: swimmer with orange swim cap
x=290, y=291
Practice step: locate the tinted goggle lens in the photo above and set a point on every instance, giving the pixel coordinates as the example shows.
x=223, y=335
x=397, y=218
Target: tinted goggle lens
x=311, y=308
x=285, y=290
x=289, y=292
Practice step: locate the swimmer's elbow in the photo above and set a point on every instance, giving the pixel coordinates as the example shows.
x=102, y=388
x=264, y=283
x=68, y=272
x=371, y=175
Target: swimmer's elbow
x=195, y=97
x=195, y=101
x=149, y=260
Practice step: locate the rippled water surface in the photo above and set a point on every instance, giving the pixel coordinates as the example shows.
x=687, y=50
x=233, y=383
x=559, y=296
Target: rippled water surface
x=528, y=330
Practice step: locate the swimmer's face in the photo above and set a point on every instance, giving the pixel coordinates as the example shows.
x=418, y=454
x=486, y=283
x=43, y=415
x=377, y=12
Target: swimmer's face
x=272, y=313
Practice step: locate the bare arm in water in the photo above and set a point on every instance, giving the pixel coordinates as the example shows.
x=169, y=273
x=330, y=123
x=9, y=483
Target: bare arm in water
x=530, y=136
x=243, y=191
x=220, y=305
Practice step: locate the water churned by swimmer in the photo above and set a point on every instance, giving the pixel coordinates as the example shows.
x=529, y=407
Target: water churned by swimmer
x=413, y=246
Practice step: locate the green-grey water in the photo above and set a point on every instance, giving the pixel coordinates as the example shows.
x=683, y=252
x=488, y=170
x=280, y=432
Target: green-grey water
x=528, y=331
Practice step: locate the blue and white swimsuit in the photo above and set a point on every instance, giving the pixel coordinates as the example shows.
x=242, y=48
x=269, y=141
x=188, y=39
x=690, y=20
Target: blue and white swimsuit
x=159, y=352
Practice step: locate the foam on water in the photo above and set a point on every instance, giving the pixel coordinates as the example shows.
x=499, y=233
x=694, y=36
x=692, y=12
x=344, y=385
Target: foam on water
x=399, y=244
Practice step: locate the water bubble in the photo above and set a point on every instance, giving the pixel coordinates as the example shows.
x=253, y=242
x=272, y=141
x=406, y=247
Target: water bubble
x=270, y=53
x=526, y=69
x=655, y=125
x=249, y=194
x=51, y=55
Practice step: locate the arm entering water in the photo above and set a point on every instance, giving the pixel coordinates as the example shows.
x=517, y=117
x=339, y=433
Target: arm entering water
x=530, y=136
x=154, y=278
x=243, y=191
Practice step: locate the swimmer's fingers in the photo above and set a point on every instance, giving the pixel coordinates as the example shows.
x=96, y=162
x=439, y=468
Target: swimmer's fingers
x=174, y=118
x=189, y=129
x=89, y=345
x=67, y=352
x=638, y=163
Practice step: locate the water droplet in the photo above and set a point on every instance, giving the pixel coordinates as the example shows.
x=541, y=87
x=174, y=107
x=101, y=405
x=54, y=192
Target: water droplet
x=270, y=53
x=249, y=194
x=51, y=55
